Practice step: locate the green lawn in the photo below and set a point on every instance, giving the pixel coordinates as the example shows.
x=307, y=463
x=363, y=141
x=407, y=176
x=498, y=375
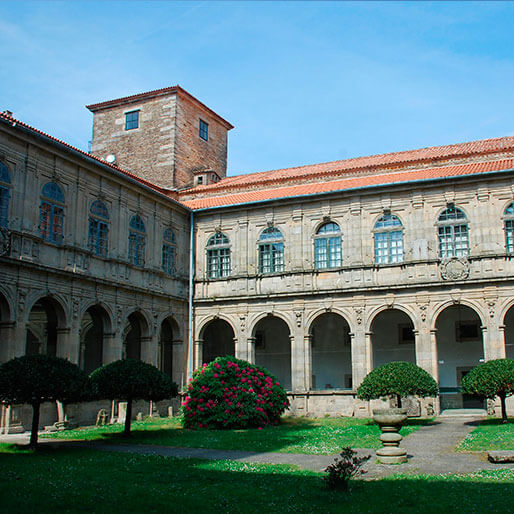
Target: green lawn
x=491, y=434
x=77, y=480
x=293, y=435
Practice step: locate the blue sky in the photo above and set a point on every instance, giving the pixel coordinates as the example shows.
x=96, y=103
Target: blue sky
x=302, y=82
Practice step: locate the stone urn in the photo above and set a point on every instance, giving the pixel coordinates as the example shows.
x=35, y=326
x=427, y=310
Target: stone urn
x=390, y=421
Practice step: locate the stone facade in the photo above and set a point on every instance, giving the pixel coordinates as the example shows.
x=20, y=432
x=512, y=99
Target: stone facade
x=165, y=148
x=257, y=295
x=51, y=291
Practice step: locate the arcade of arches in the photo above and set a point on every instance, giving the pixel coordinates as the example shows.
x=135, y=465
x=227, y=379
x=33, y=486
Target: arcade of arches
x=332, y=353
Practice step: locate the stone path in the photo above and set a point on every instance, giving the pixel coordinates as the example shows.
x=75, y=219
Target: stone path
x=430, y=450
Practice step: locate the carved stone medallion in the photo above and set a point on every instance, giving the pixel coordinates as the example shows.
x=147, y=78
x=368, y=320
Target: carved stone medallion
x=455, y=268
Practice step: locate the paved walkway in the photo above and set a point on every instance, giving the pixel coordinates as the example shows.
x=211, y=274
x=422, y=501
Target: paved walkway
x=430, y=450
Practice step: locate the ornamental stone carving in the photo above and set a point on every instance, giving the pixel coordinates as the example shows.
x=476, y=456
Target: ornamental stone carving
x=455, y=268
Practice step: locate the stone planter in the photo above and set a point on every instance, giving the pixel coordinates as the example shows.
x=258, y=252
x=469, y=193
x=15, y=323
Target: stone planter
x=390, y=421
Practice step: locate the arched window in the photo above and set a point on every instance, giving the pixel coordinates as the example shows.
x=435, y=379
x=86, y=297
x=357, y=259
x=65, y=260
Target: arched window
x=5, y=182
x=137, y=241
x=218, y=256
x=51, y=214
x=98, y=228
x=169, y=252
x=453, y=233
x=388, y=239
x=508, y=219
x=271, y=251
x=327, y=246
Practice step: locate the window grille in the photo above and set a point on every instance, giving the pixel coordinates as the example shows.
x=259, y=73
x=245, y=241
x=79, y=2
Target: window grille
x=218, y=256
x=98, y=228
x=327, y=246
x=169, y=252
x=271, y=251
x=453, y=233
x=508, y=217
x=137, y=241
x=51, y=213
x=388, y=240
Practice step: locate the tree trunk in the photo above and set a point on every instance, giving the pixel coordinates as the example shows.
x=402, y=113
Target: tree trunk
x=504, y=408
x=399, y=401
x=128, y=418
x=35, y=425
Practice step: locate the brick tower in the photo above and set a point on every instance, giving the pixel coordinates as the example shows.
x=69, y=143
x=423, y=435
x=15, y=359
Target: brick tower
x=165, y=136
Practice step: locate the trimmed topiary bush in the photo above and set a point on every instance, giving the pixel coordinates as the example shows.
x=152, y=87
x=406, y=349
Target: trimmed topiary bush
x=232, y=393
x=130, y=380
x=35, y=379
x=491, y=379
x=398, y=379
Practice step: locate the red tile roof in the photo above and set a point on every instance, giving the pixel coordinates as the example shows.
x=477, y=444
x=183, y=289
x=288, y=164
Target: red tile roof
x=152, y=94
x=17, y=123
x=350, y=183
x=425, y=156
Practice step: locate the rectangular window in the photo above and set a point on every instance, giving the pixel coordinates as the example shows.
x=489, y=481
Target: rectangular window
x=204, y=130
x=4, y=207
x=131, y=120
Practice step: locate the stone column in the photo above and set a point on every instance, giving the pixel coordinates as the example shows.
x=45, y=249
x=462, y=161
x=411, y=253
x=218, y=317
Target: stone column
x=297, y=364
x=19, y=340
x=361, y=355
x=494, y=341
x=307, y=352
x=64, y=344
x=424, y=350
x=198, y=353
x=112, y=348
x=177, y=373
x=251, y=349
x=149, y=349
x=7, y=341
x=433, y=352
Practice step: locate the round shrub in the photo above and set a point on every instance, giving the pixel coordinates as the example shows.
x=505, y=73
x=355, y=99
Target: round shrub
x=493, y=378
x=232, y=393
x=398, y=379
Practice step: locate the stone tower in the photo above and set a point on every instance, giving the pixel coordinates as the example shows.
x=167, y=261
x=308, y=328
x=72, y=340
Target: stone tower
x=166, y=136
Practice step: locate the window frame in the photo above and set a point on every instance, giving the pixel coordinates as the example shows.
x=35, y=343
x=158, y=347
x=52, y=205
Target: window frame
x=218, y=256
x=132, y=121
x=508, y=227
x=98, y=230
x=169, y=252
x=51, y=213
x=333, y=251
x=5, y=195
x=389, y=234
x=271, y=251
x=137, y=241
x=203, y=130
x=452, y=231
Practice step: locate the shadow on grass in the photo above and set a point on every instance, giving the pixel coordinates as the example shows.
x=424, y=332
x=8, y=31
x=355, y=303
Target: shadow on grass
x=71, y=480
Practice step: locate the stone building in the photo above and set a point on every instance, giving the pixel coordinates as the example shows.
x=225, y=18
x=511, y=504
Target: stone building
x=319, y=273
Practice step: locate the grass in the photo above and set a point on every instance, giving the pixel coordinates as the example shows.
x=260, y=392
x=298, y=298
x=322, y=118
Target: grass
x=491, y=434
x=79, y=480
x=322, y=436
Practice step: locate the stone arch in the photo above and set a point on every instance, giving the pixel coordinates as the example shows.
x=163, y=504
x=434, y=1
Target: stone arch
x=217, y=339
x=95, y=327
x=272, y=339
x=459, y=347
x=136, y=330
x=465, y=303
x=263, y=315
x=46, y=327
x=336, y=310
x=373, y=313
x=331, y=352
x=392, y=336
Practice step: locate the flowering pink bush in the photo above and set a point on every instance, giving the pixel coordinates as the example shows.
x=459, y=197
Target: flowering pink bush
x=232, y=393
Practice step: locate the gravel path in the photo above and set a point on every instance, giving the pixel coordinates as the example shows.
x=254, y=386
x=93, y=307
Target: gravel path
x=430, y=450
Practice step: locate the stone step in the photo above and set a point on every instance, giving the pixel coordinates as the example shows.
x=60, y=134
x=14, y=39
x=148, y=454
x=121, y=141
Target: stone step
x=459, y=413
x=501, y=456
